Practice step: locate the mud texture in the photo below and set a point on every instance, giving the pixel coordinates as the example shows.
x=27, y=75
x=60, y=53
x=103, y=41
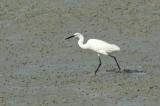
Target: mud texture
x=38, y=67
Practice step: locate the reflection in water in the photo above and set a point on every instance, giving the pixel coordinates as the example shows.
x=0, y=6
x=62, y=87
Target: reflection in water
x=125, y=70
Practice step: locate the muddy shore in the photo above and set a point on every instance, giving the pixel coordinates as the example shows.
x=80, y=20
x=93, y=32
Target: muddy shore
x=39, y=67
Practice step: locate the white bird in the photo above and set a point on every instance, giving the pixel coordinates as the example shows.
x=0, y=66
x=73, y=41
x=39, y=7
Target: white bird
x=99, y=46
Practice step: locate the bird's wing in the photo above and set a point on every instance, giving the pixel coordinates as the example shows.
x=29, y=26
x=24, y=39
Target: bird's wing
x=97, y=45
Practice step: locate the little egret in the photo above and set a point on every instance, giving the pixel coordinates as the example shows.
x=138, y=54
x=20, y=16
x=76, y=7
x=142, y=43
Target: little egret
x=98, y=46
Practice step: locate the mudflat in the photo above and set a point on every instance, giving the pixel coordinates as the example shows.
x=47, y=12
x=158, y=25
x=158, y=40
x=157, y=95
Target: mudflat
x=39, y=67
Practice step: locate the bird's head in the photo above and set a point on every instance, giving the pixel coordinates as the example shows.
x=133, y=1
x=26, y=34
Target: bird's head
x=75, y=35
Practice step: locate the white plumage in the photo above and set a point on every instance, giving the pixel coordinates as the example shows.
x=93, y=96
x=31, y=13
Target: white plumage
x=99, y=46
x=102, y=47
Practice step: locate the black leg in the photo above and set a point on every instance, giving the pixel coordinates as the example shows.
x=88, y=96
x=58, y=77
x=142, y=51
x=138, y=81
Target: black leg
x=98, y=65
x=116, y=61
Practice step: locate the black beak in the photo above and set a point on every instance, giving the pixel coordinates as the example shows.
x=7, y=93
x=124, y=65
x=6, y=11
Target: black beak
x=70, y=37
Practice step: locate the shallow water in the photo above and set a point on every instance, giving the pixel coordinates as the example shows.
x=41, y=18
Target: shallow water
x=39, y=67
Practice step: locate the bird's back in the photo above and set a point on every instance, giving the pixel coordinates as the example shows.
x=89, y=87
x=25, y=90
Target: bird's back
x=99, y=45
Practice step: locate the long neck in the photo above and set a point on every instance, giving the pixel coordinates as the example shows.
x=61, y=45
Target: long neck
x=80, y=42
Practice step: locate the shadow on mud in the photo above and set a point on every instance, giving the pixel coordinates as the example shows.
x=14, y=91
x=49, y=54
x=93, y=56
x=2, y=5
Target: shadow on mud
x=125, y=70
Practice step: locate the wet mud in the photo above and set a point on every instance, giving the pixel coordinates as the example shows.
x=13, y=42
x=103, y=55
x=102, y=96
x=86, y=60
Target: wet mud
x=39, y=67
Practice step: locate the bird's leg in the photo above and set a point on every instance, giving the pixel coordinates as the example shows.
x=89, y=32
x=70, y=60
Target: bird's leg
x=98, y=65
x=121, y=70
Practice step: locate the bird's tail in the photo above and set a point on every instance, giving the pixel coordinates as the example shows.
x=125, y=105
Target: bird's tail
x=116, y=48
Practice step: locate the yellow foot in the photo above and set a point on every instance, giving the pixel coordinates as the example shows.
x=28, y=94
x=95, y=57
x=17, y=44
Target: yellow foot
x=94, y=75
x=91, y=75
x=122, y=70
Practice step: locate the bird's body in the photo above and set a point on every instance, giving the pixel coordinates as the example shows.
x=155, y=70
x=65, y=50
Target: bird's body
x=99, y=46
